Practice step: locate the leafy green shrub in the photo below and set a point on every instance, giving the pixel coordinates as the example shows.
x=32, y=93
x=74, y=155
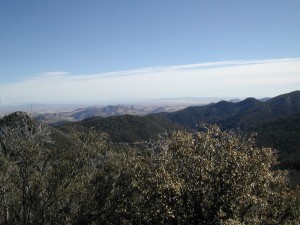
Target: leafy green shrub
x=42, y=183
x=212, y=177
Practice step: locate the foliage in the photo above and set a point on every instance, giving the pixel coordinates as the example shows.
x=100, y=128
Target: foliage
x=283, y=134
x=246, y=114
x=212, y=177
x=125, y=128
x=40, y=182
x=276, y=121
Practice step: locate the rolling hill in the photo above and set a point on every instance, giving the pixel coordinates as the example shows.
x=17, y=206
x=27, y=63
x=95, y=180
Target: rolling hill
x=276, y=122
x=125, y=128
x=244, y=115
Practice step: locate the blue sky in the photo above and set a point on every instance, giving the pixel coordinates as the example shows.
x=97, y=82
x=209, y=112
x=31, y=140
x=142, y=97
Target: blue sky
x=88, y=39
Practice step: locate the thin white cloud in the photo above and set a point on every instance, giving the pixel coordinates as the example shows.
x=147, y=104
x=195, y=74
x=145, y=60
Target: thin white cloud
x=239, y=78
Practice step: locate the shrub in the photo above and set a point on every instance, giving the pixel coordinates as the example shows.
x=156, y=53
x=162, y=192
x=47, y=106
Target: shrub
x=212, y=177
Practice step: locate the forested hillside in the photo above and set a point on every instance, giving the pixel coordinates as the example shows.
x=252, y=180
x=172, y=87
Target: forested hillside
x=207, y=177
x=282, y=134
x=79, y=173
x=125, y=128
x=246, y=114
x=275, y=121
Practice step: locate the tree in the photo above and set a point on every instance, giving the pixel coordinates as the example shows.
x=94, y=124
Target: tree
x=42, y=183
x=212, y=177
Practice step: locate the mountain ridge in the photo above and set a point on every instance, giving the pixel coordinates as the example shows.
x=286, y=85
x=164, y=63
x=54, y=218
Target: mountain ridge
x=276, y=122
x=244, y=114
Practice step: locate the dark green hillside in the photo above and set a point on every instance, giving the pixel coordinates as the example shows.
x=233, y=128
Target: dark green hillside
x=246, y=114
x=125, y=128
x=219, y=113
x=276, y=121
x=285, y=104
x=208, y=177
x=283, y=134
x=280, y=106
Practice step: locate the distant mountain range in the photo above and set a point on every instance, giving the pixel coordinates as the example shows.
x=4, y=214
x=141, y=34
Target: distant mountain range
x=276, y=122
x=245, y=114
x=59, y=113
x=159, y=106
x=105, y=111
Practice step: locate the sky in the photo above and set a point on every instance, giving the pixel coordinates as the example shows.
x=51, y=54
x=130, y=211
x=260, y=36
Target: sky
x=75, y=51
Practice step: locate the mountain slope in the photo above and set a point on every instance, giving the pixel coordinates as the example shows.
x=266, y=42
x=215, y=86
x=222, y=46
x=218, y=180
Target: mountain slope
x=282, y=134
x=59, y=117
x=245, y=114
x=25, y=124
x=276, y=121
x=125, y=128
